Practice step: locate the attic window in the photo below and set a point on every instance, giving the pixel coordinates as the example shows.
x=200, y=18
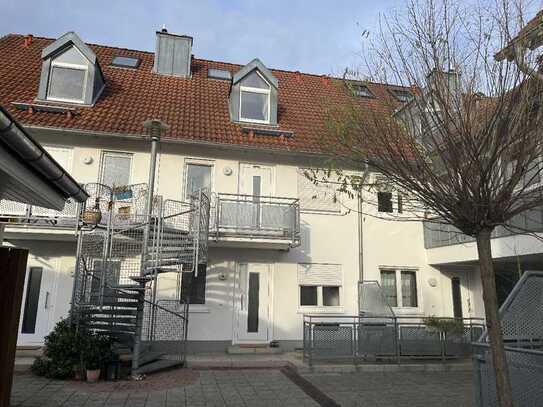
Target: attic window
x=219, y=74
x=254, y=99
x=403, y=96
x=361, y=91
x=67, y=79
x=125, y=62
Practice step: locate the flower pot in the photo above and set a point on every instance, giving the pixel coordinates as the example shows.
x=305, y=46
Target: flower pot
x=124, y=210
x=93, y=375
x=92, y=216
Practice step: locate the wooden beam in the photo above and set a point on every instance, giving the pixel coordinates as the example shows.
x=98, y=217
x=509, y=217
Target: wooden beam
x=12, y=278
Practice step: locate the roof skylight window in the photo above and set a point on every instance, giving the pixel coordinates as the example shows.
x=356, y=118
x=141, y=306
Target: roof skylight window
x=361, y=90
x=125, y=62
x=403, y=96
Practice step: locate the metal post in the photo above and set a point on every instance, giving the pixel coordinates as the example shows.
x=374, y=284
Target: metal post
x=397, y=340
x=77, y=272
x=155, y=127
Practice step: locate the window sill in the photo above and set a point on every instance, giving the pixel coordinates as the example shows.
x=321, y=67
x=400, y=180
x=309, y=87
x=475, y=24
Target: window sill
x=198, y=309
x=320, y=310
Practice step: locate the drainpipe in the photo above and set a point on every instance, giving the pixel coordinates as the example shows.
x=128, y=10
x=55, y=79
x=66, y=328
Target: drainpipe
x=155, y=128
x=361, y=234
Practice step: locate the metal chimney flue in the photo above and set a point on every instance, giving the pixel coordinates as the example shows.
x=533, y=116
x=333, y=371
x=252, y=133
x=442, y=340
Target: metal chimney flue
x=173, y=54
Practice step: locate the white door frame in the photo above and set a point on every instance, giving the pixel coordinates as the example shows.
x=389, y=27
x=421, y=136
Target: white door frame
x=244, y=165
x=46, y=304
x=465, y=291
x=237, y=336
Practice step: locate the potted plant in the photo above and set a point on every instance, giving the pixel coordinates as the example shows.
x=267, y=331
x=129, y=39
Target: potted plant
x=448, y=326
x=93, y=216
x=97, y=352
x=122, y=192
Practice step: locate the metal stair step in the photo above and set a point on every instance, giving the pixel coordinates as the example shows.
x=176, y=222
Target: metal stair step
x=121, y=304
x=97, y=312
x=113, y=320
x=141, y=279
x=131, y=287
x=157, y=366
x=112, y=329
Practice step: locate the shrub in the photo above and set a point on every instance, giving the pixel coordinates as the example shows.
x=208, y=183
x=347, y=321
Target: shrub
x=62, y=352
x=452, y=326
x=97, y=351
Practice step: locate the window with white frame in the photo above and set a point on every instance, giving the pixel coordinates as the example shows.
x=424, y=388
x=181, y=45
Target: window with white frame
x=399, y=287
x=197, y=176
x=389, y=199
x=116, y=168
x=316, y=196
x=254, y=105
x=68, y=77
x=319, y=285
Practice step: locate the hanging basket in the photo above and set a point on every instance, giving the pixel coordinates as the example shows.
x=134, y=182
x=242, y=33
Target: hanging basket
x=92, y=216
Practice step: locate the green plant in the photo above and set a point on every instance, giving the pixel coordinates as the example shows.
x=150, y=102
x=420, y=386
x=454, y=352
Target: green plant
x=453, y=326
x=62, y=352
x=97, y=351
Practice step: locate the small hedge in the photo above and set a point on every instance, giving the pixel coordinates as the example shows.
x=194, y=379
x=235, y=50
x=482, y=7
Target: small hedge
x=67, y=350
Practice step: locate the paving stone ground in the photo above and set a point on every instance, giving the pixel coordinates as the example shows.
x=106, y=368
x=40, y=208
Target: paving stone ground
x=251, y=387
x=242, y=388
x=397, y=389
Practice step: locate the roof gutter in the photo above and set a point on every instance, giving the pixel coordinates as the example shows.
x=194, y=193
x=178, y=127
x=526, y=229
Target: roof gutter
x=34, y=155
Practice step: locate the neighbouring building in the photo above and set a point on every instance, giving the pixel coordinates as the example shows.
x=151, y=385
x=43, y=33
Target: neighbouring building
x=243, y=133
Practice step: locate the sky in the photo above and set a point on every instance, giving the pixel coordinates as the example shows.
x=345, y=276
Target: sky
x=315, y=36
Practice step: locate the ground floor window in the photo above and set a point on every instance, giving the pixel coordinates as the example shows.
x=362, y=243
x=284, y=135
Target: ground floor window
x=319, y=285
x=400, y=287
x=193, y=289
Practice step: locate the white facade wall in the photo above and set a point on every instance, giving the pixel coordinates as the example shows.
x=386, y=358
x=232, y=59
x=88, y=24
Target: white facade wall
x=327, y=238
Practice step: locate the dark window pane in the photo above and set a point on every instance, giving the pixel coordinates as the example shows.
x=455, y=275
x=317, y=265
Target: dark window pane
x=254, y=106
x=308, y=295
x=253, y=302
x=193, y=290
x=400, y=203
x=330, y=296
x=409, y=289
x=32, y=300
x=384, y=201
x=388, y=284
x=457, y=297
x=66, y=83
x=126, y=62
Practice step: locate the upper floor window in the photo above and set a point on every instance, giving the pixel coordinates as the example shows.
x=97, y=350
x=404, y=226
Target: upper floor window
x=197, y=177
x=319, y=284
x=362, y=91
x=68, y=77
x=115, y=169
x=254, y=99
x=402, y=95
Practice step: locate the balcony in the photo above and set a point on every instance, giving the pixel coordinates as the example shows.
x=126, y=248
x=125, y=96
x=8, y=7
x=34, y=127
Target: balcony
x=255, y=221
x=37, y=222
x=447, y=245
x=439, y=235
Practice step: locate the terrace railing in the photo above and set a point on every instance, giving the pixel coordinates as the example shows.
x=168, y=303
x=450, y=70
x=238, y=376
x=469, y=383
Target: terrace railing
x=256, y=217
x=440, y=235
x=19, y=213
x=385, y=339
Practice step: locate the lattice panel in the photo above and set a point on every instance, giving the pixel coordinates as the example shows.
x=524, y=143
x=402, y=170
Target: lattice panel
x=418, y=340
x=376, y=339
x=333, y=340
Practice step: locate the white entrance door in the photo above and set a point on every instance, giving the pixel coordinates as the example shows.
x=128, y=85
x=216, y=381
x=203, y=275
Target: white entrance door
x=37, y=306
x=255, y=187
x=253, y=303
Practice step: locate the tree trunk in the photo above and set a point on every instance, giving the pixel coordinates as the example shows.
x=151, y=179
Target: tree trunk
x=493, y=323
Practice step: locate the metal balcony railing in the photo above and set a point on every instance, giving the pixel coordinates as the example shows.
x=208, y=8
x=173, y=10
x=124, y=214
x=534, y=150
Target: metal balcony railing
x=20, y=213
x=440, y=235
x=256, y=217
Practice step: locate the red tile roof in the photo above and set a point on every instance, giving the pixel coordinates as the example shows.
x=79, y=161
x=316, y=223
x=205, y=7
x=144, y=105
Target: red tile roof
x=196, y=109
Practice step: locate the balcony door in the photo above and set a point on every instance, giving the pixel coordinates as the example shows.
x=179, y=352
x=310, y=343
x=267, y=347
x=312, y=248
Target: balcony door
x=253, y=303
x=255, y=188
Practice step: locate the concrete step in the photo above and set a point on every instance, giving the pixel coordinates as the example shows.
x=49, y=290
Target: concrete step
x=157, y=366
x=251, y=349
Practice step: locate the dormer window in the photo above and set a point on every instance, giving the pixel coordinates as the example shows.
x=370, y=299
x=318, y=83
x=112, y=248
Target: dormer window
x=254, y=99
x=254, y=94
x=70, y=72
x=362, y=91
x=68, y=78
x=403, y=96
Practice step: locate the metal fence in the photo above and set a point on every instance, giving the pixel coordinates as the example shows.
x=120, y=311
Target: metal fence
x=438, y=234
x=20, y=213
x=522, y=325
x=385, y=338
x=257, y=217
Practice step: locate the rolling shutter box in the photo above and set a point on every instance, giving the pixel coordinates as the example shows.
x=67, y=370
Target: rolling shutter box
x=319, y=274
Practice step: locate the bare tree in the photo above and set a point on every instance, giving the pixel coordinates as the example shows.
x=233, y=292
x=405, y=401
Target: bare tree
x=467, y=147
